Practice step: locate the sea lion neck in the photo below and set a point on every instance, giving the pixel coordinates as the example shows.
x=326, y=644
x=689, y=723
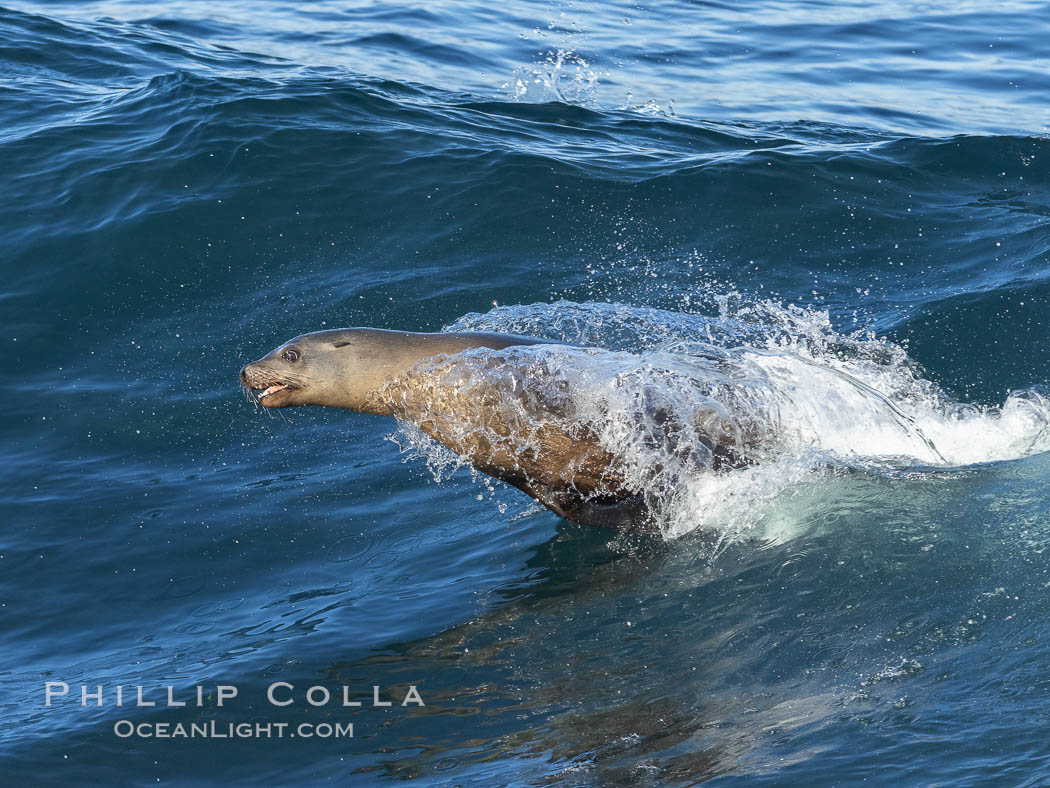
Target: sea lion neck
x=379, y=357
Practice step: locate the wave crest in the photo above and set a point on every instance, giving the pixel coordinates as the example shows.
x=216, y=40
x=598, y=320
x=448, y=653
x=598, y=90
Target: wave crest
x=776, y=387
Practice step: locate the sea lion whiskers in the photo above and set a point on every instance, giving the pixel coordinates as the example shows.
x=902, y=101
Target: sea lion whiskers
x=249, y=394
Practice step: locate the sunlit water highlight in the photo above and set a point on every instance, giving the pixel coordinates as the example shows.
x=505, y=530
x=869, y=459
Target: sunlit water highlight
x=821, y=226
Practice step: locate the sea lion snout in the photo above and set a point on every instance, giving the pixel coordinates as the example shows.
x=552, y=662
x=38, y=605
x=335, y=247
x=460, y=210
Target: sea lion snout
x=271, y=388
x=252, y=376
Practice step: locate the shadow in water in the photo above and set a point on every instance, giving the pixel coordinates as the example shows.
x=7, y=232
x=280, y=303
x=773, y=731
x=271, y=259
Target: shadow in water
x=562, y=671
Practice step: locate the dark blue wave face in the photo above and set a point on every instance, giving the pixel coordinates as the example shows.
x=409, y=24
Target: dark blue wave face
x=188, y=185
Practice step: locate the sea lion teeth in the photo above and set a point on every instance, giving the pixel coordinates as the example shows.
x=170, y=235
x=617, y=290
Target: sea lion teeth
x=273, y=389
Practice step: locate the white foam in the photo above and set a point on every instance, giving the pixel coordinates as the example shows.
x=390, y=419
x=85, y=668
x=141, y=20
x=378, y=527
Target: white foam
x=787, y=391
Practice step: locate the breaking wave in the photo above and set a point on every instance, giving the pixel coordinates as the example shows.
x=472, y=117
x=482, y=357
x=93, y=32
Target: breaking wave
x=791, y=398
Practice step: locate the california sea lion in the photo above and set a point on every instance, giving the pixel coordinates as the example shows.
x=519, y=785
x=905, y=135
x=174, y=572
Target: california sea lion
x=504, y=425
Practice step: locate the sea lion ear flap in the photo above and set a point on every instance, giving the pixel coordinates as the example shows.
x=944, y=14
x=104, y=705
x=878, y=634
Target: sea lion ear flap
x=341, y=344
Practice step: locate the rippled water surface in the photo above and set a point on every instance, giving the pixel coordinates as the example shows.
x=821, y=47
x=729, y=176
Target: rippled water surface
x=827, y=222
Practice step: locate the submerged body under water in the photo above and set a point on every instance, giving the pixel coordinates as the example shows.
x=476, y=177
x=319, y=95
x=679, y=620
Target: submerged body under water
x=823, y=227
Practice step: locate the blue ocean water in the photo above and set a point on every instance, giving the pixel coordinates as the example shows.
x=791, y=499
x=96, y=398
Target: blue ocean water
x=858, y=189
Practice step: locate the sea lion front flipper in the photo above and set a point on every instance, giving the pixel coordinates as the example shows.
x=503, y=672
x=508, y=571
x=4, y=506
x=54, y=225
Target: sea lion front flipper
x=629, y=513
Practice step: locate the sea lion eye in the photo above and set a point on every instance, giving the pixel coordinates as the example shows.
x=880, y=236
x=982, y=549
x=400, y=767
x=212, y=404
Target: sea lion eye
x=290, y=355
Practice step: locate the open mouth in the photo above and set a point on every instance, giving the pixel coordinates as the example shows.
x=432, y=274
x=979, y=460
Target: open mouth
x=271, y=394
x=272, y=389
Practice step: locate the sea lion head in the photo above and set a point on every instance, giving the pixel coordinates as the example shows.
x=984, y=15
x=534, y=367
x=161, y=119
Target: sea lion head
x=333, y=368
x=349, y=367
